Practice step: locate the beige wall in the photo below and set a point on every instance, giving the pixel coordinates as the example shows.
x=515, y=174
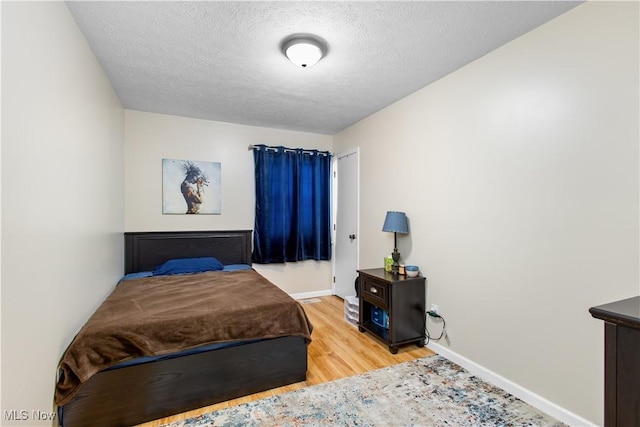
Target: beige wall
x=152, y=137
x=62, y=196
x=519, y=174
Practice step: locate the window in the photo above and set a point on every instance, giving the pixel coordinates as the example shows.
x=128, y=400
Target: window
x=293, y=205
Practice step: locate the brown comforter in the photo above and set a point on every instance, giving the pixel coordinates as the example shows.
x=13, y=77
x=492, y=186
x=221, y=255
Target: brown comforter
x=167, y=314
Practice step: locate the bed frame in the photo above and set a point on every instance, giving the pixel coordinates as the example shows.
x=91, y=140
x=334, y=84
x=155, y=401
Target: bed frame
x=149, y=391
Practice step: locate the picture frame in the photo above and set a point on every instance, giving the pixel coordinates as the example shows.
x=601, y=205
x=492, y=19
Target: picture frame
x=191, y=187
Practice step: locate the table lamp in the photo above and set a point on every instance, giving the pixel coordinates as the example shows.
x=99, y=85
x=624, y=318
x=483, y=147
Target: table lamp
x=395, y=222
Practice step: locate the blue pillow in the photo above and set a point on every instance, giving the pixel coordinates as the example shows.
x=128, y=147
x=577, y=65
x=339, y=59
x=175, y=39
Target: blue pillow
x=236, y=267
x=188, y=265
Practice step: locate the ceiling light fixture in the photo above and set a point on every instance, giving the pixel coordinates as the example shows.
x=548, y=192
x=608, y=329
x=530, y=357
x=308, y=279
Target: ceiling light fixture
x=304, y=50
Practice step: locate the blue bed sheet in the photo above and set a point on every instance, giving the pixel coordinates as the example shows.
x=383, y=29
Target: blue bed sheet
x=201, y=349
x=142, y=274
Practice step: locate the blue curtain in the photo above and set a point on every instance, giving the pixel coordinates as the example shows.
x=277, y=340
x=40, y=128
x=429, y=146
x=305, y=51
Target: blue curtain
x=293, y=205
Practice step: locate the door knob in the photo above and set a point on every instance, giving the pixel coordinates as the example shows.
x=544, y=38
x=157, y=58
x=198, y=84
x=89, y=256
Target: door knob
x=352, y=236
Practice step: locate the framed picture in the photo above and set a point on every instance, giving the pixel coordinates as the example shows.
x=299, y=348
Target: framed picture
x=191, y=187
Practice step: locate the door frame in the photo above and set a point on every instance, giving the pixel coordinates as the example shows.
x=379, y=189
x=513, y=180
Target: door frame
x=334, y=210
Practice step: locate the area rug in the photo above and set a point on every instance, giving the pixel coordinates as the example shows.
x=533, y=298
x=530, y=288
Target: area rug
x=430, y=391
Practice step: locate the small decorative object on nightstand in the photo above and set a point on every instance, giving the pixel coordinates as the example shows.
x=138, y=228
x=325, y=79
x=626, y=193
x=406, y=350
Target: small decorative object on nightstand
x=392, y=307
x=412, y=270
x=395, y=222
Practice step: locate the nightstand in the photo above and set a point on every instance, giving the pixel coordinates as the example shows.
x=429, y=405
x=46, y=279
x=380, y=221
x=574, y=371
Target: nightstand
x=392, y=307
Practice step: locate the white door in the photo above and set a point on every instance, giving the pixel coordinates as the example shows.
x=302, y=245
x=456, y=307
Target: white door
x=346, y=224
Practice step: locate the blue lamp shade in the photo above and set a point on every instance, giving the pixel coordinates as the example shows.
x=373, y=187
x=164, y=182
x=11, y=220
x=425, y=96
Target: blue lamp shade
x=396, y=222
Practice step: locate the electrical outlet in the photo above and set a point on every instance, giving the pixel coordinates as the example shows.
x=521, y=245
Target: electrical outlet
x=434, y=308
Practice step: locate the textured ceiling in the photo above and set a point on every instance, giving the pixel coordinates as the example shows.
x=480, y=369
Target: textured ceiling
x=222, y=61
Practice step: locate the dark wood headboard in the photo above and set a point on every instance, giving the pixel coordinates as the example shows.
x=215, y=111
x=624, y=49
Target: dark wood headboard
x=143, y=251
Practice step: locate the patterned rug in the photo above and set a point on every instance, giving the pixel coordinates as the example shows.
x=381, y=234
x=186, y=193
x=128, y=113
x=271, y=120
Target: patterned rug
x=430, y=391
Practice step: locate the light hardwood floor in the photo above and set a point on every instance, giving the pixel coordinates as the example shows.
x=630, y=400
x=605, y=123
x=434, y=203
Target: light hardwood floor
x=338, y=350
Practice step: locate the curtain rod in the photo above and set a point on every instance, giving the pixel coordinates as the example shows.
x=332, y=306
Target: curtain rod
x=253, y=147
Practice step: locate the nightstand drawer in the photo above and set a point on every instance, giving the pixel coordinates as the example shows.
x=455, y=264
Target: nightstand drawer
x=375, y=291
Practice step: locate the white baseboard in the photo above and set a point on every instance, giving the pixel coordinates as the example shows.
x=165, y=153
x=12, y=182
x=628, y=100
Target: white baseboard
x=313, y=294
x=520, y=392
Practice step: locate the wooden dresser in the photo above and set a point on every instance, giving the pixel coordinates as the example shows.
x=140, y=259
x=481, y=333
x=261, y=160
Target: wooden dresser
x=621, y=361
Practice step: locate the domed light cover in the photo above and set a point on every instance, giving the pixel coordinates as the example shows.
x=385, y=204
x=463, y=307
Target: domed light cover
x=304, y=50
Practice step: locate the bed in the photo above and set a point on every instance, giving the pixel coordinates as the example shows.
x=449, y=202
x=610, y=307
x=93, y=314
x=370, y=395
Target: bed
x=132, y=390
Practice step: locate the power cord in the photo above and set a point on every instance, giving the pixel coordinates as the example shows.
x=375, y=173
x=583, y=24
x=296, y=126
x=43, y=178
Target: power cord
x=435, y=315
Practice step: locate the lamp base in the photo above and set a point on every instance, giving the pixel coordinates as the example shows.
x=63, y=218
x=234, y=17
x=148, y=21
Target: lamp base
x=395, y=268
